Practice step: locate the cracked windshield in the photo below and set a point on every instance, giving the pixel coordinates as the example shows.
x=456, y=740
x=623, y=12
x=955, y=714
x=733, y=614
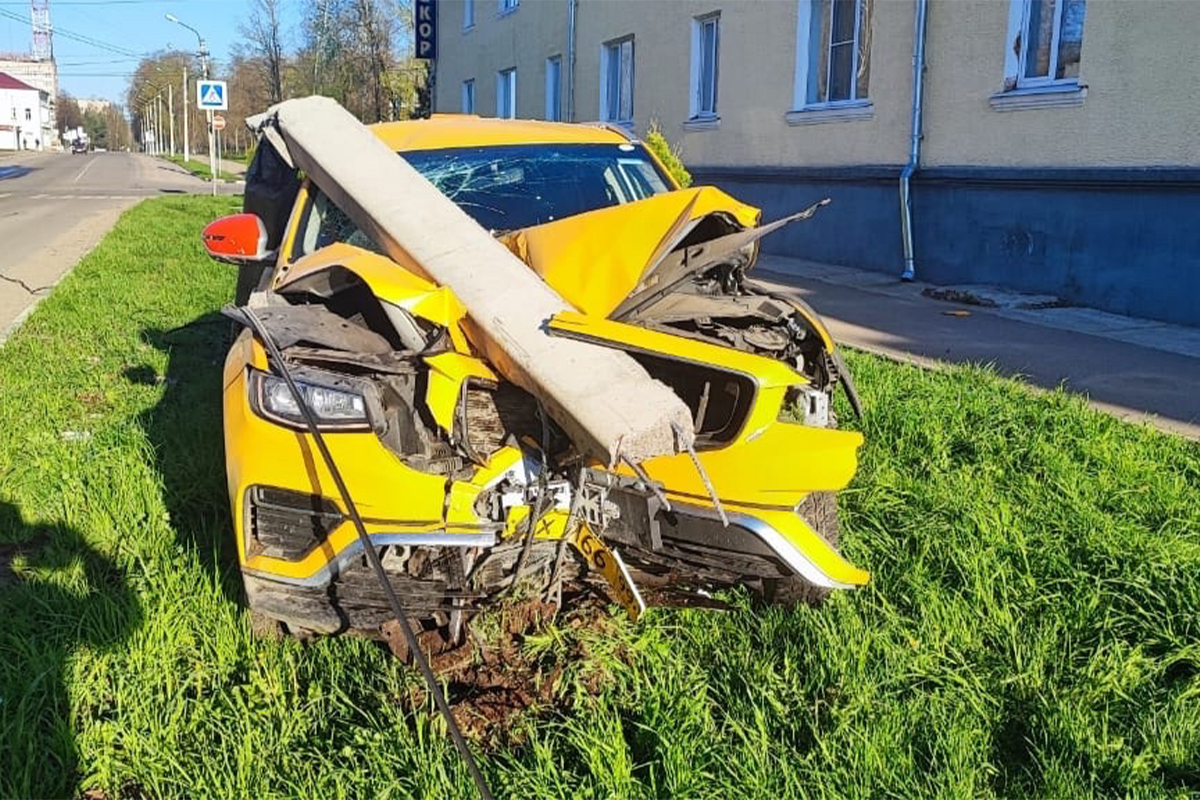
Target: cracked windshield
x=511, y=187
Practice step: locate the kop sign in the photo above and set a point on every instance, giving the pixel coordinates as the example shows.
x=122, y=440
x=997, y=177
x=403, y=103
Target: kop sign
x=426, y=28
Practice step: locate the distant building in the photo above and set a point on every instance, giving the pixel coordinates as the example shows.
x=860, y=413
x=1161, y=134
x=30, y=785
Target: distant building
x=26, y=119
x=42, y=73
x=98, y=105
x=1059, y=153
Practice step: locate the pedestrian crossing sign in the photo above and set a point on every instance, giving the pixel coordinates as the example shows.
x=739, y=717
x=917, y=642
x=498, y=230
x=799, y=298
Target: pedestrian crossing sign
x=212, y=96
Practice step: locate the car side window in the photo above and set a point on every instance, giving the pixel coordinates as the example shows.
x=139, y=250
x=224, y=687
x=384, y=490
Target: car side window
x=325, y=223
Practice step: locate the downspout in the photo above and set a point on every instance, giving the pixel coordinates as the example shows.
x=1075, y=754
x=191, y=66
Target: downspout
x=914, y=152
x=572, y=11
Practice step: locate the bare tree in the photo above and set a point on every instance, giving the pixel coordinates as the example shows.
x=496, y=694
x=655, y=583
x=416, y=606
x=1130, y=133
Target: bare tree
x=354, y=51
x=264, y=35
x=68, y=113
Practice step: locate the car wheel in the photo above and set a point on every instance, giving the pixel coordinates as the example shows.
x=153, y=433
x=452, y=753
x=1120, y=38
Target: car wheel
x=820, y=511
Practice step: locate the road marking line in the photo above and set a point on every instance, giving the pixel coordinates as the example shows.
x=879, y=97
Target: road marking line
x=85, y=169
x=39, y=197
x=5, y=194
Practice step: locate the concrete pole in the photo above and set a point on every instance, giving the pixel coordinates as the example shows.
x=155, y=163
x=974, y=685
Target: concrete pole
x=212, y=152
x=187, y=147
x=171, y=114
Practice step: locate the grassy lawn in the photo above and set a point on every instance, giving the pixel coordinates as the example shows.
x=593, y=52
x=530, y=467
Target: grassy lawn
x=198, y=167
x=1033, y=628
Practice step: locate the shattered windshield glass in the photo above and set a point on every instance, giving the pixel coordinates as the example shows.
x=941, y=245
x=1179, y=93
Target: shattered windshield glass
x=516, y=186
x=508, y=187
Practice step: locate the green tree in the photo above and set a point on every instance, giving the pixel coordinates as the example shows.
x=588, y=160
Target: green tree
x=96, y=126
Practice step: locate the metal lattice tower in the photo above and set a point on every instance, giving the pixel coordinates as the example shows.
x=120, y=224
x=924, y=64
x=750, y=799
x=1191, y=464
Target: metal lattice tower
x=43, y=46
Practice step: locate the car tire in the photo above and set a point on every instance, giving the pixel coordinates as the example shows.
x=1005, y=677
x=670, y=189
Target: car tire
x=819, y=510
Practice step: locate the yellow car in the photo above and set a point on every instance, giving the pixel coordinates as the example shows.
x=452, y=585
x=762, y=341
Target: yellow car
x=464, y=485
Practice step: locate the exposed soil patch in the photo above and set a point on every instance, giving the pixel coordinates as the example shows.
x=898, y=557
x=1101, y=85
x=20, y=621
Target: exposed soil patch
x=493, y=679
x=958, y=296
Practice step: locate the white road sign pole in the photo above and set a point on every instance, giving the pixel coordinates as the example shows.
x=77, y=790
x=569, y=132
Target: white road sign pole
x=212, y=154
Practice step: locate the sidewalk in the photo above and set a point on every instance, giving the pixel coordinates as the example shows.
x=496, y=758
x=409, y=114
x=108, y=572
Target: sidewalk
x=234, y=168
x=1139, y=370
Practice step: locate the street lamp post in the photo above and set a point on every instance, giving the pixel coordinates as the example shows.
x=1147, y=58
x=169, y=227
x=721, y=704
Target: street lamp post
x=171, y=114
x=170, y=105
x=187, y=112
x=212, y=155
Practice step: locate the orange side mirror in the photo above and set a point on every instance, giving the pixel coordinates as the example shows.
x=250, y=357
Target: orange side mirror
x=238, y=238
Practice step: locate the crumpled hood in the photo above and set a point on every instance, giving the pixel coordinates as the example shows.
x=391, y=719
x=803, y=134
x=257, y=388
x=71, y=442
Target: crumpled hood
x=596, y=260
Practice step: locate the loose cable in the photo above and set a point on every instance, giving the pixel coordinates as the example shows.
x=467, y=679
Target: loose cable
x=401, y=615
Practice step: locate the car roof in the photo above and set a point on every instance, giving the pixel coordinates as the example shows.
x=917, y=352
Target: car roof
x=444, y=131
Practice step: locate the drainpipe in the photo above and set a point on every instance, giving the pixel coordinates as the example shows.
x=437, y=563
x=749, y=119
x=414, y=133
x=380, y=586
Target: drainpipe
x=572, y=12
x=914, y=152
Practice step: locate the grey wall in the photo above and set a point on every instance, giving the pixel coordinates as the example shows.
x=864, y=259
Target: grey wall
x=1121, y=240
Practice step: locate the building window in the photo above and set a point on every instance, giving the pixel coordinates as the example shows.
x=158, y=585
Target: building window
x=468, y=14
x=706, y=49
x=1045, y=40
x=506, y=94
x=616, y=81
x=554, y=88
x=833, y=53
x=468, y=96
x=508, y=6
x=28, y=114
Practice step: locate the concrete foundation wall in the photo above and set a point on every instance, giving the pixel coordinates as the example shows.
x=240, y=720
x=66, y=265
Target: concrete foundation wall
x=1121, y=240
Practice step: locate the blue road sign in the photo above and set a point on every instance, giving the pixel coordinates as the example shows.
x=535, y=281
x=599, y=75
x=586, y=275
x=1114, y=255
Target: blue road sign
x=425, y=28
x=212, y=96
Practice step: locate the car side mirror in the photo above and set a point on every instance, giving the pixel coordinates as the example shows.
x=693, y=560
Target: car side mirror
x=240, y=238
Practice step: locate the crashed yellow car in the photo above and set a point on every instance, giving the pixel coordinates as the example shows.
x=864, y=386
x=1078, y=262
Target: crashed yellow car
x=465, y=484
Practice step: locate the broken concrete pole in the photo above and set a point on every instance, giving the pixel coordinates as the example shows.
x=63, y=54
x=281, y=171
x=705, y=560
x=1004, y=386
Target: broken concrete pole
x=603, y=399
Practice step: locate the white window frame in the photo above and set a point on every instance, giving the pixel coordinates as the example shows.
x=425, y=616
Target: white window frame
x=508, y=76
x=468, y=15
x=507, y=6
x=695, y=101
x=606, y=63
x=806, y=61
x=554, y=88
x=1015, y=52
x=468, y=96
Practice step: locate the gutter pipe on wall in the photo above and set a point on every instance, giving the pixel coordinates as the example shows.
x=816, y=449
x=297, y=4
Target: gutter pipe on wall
x=572, y=12
x=914, y=153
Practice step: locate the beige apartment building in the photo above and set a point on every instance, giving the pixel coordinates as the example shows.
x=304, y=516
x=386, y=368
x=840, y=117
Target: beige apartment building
x=1059, y=146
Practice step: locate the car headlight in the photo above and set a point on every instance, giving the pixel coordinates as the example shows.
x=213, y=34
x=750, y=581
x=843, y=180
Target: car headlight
x=271, y=398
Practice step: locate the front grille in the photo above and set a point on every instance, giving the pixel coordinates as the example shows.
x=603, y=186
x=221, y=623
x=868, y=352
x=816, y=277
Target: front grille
x=285, y=524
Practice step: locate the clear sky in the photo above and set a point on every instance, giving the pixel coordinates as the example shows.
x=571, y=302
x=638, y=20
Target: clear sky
x=120, y=31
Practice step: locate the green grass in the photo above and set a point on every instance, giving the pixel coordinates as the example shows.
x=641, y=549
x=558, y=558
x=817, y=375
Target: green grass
x=198, y=168
x=1033, y=628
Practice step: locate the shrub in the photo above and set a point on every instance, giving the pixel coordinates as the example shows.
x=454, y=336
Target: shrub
x=668, y=155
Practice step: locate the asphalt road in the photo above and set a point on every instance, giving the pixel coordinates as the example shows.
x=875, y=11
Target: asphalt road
x=54, y=207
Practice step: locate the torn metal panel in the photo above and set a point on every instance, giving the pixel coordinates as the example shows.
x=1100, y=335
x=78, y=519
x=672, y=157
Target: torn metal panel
x=603, y=399
x=317, y=326
x=678, y=265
